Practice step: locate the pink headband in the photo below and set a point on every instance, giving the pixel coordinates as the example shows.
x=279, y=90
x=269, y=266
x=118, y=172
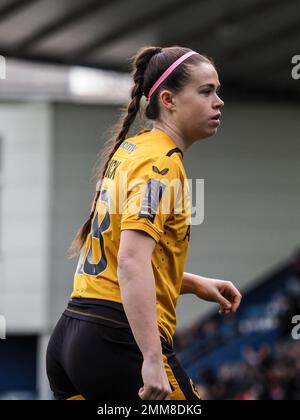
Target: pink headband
x=168, y=71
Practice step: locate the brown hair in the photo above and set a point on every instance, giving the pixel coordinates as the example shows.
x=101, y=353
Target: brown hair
x=148, y=64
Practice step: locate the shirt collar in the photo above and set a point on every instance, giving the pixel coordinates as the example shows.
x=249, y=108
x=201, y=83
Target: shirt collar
x=162, y=135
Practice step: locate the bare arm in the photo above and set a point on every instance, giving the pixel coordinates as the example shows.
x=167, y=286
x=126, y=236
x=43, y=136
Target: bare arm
x=215, y=290
x=137, y=285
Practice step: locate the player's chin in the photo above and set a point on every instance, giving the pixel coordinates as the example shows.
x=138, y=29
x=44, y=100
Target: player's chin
x=209, y=132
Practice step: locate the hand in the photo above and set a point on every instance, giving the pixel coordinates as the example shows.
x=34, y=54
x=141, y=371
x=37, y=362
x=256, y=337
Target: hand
x=156, y=383
x=222, y=292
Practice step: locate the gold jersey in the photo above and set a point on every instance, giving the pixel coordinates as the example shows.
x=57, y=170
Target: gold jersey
x=145, y=188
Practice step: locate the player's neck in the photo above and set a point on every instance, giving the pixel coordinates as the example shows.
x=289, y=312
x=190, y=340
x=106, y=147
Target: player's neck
x=173, y=133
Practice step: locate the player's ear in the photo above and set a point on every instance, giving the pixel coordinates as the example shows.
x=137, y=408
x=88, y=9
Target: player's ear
x=167, y=99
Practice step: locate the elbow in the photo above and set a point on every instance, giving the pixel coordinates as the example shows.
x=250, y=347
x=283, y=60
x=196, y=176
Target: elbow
x=125, y=261
x=127, y=256
x=135, y=249
x=132, y=265
x=127, y=270
x=128, y=266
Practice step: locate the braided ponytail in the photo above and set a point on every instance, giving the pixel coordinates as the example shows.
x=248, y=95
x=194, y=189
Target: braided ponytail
x=118, y=135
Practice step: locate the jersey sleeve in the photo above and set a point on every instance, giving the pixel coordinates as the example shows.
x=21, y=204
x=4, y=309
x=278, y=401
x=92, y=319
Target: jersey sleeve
x=150, y=195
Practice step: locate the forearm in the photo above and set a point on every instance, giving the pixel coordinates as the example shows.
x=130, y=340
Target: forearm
x=193, y=284
x=213, y=290
x=137, y=285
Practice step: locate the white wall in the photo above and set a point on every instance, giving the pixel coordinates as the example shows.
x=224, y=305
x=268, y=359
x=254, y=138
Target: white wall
x=26, y=135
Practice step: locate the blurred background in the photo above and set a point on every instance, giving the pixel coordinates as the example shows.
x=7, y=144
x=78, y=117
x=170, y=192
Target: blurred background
x=64, y=75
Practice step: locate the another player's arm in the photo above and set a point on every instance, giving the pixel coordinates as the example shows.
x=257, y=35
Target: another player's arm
x=137, y=285
x=214, y=290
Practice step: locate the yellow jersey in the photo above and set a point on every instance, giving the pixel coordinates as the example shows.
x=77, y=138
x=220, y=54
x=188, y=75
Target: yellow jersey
x=145, y=188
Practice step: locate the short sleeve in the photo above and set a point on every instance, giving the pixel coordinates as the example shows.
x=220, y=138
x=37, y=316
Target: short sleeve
x=148, y=199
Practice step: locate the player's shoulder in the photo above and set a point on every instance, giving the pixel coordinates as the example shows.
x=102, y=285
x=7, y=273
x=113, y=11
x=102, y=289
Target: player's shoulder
x=169, y=164
x=172, y=161
x=155, y=148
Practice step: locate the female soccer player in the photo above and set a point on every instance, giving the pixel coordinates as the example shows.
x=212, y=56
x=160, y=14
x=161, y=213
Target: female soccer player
x=115, y=339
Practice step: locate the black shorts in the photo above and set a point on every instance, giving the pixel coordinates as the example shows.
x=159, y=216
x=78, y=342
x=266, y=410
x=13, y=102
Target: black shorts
x=92, y=354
